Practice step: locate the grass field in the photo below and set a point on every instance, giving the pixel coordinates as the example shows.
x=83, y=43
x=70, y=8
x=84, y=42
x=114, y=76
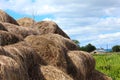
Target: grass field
x=109, y=64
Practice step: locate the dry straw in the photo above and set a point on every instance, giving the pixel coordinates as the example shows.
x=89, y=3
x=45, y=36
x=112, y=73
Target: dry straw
x=7, y=38
x=19, y=30
x=45, y=27
x=53, y=73
x=80, y=64
x=26, y=22
x=4, y=17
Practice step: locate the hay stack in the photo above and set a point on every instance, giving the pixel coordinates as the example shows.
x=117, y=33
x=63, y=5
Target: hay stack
x=81, y=64
x=53, y=73
x=10, y=70
x=60, y=40
x=96, y=75
x=7, y=38
x=19, y=30
x=4, y=17
x=2, y=27
x=26, y=22
x=52, y=53
x=45, y=27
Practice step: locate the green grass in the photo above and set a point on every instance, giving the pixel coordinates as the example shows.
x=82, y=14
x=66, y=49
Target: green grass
x=109, y=64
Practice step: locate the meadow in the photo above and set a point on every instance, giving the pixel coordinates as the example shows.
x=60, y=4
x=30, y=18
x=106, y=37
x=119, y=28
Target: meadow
x=109, y=64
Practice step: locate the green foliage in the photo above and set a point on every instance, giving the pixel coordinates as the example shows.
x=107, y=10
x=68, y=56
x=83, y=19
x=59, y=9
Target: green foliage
x=116, y=48
x=109, y=64
x=88, y=48
x=76, y=41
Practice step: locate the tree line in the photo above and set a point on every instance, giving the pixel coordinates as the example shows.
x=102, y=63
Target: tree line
x=89, y=47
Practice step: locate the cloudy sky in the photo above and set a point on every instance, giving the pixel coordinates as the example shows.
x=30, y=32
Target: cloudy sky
x=89, y=21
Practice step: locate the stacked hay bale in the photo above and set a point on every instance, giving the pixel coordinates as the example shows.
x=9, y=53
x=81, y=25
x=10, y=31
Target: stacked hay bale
x=52, y=53
x=53, y=73
x=45, y=27
x=4, y=17
x=10, y=69
x=49, y=56
x=26, y=22
x=81, y=64
x=7, y=38
x=19, y=30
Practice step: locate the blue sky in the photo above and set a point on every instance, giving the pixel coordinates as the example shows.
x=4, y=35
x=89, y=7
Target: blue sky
x=89, y=21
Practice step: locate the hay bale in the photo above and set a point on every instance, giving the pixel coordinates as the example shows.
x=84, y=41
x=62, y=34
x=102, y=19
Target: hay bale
x=2, y=27
x=52, y=53
x=45, y=27
x=10, y=70
x=80, y=64
x=26, y=22
x=96, y=75
x=19, y=30
x=4, y=17
x=53, y=73
x=7, y=38
x=60, y=40
x=25, y=56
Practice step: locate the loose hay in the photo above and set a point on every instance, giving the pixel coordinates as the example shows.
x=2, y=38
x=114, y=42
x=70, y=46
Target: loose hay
x=26, y=22
x=7, y=38
x=53, y=73
x=4, y=17
x=52, y=53
x=19, y=30
x=10, y=70
x=80, y=64
x=45, y=27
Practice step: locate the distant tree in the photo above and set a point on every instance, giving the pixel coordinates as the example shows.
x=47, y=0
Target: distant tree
x=77, y=42
x=88, y=48
x=116, y=48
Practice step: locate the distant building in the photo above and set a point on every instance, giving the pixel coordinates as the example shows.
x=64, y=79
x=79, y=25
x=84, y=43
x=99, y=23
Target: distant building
x=99, y=51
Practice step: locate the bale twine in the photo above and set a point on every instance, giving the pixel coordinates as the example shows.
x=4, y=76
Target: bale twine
x=80, y=64
x=96, y=75
x=52, y=53
x=26, y=22
x=19, y=30
x=53, y=73
x=4, y=17
x=65, y=42
x=45, y=27
x=7, y=38
x=11, y=70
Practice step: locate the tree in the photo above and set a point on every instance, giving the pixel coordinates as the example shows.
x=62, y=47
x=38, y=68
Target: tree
x=76, y=41
x=116, y=48
x=88, y=48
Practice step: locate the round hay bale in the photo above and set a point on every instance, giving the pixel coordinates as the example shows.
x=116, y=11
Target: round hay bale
x=80, y=64
x=53, y=73
x=7, y=38
x=2, y=27
x=10, y=70
x=45, y=27
x=96, y=75
x=26, y=22
x=19, y=30
x=52, y=53
x=65, y=42
x=4, y=17
x=25, y=56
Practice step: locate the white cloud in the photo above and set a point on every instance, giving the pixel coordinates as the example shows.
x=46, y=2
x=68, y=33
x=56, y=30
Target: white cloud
x=90, y=21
